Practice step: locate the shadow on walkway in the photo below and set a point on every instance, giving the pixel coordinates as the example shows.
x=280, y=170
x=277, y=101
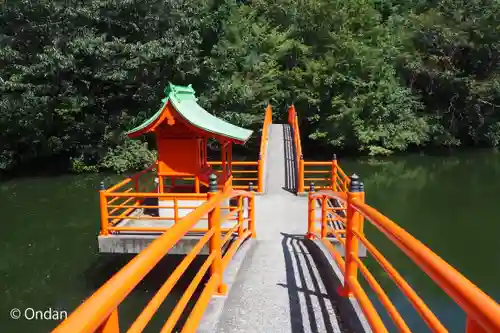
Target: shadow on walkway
x=313, y=307
x=290, y=160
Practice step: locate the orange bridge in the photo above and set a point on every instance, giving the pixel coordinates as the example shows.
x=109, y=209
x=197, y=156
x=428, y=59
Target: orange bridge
x=282, y=239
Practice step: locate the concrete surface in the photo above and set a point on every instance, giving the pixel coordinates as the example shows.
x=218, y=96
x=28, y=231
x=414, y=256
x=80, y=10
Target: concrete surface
x=136, y=241
x=278, y=288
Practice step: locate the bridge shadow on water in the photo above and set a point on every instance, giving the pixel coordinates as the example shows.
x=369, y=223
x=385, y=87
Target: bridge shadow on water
x=290, y=160
x=313, y=303
x=108, y=264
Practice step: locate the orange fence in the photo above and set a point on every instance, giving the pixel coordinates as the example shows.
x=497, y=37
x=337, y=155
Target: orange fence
x=341, y=201
x=268, y=120
x=136, y=201
x=483, y=313
x=293, y=121
x=99, y=313
x=324, y=175
x=243, y=173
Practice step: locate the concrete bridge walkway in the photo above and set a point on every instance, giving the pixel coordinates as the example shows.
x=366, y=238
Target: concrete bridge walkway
x=278, y=287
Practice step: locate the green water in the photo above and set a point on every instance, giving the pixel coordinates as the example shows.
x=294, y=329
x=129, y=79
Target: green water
x=451, y=204
x=49, y=260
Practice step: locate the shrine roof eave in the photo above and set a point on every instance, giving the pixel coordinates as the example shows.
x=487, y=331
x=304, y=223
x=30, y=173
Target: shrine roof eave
x=185, y=104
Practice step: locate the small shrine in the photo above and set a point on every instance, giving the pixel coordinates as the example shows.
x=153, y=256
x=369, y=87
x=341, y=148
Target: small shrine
x=182, y=129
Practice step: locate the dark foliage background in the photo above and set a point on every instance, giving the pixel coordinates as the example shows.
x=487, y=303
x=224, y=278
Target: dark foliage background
x=367, y=76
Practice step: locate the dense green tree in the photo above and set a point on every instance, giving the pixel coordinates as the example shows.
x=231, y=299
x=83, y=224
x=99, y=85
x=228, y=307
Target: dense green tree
x=76, y=74
x=369, y=76
x=452, y=64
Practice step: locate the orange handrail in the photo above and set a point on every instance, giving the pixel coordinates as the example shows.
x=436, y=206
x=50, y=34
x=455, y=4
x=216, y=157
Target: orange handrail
x=268, y=120
x=99, y=312
x=293, y=121
x=334, y=177
x=483, y=313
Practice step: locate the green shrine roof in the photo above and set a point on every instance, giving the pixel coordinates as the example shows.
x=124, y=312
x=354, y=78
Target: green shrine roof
x=184, y=101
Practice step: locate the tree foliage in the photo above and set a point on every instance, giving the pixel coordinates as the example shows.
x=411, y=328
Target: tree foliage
x=373, y=77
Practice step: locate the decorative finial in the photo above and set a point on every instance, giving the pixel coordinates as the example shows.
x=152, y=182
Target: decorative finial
x=213, y=182
x=356, y=185
x=250, y=187
x=334, y=157
x=311, y=187
x=102, y=186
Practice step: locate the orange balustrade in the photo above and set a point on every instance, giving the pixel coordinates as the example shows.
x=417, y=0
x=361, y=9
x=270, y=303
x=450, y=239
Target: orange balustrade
x=293, y=121
x=483, y=313
x=268, y=120
x=99, y=313
x=324, y=174
x=243, y=173
x=341, y=201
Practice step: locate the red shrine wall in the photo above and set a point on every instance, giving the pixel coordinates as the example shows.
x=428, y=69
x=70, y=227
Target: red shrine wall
x=179, y=156
x=180, y=150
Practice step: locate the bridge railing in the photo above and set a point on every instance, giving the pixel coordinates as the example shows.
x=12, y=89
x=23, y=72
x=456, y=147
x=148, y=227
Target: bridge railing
x=324, y=174
x=264, y=139
x=482, y=312
x=341, y=201
x=99, y=313
x=242, y=173
x=293, y=121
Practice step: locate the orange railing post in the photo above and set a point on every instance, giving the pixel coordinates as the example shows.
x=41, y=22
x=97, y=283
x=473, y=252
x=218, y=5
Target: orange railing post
x=111, y=324
x=300, y=178
x=312, y=213
x=215, y=245
x=197, y=184
x=240, y=216
x=353, y=221
x=260, y=174
x=324, y=216
x=103, y=202
x=334, y=172
x=160, y=184
x=268, y=120
x=251, y=211
x=472, y=326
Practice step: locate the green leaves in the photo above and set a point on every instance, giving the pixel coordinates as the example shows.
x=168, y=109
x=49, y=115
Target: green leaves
x=374, y=77
x=78, y=74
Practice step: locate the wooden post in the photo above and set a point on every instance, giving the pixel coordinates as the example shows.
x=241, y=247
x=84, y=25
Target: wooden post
x=353, y=222
x=111, y=324
x=230, y=159
x=260, y=173
x=311, y=210
x=197, y=184
x=215, y=240
x=324, y=216
x=334, y=173
x=176, y=210
x=251, y=210
x=300, y=176
x=104, y=210
x=224, y=166
x=472, y=326
x=240, y=216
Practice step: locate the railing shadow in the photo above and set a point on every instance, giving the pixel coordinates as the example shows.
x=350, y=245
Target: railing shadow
x=290, y=160
x=307, y=291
